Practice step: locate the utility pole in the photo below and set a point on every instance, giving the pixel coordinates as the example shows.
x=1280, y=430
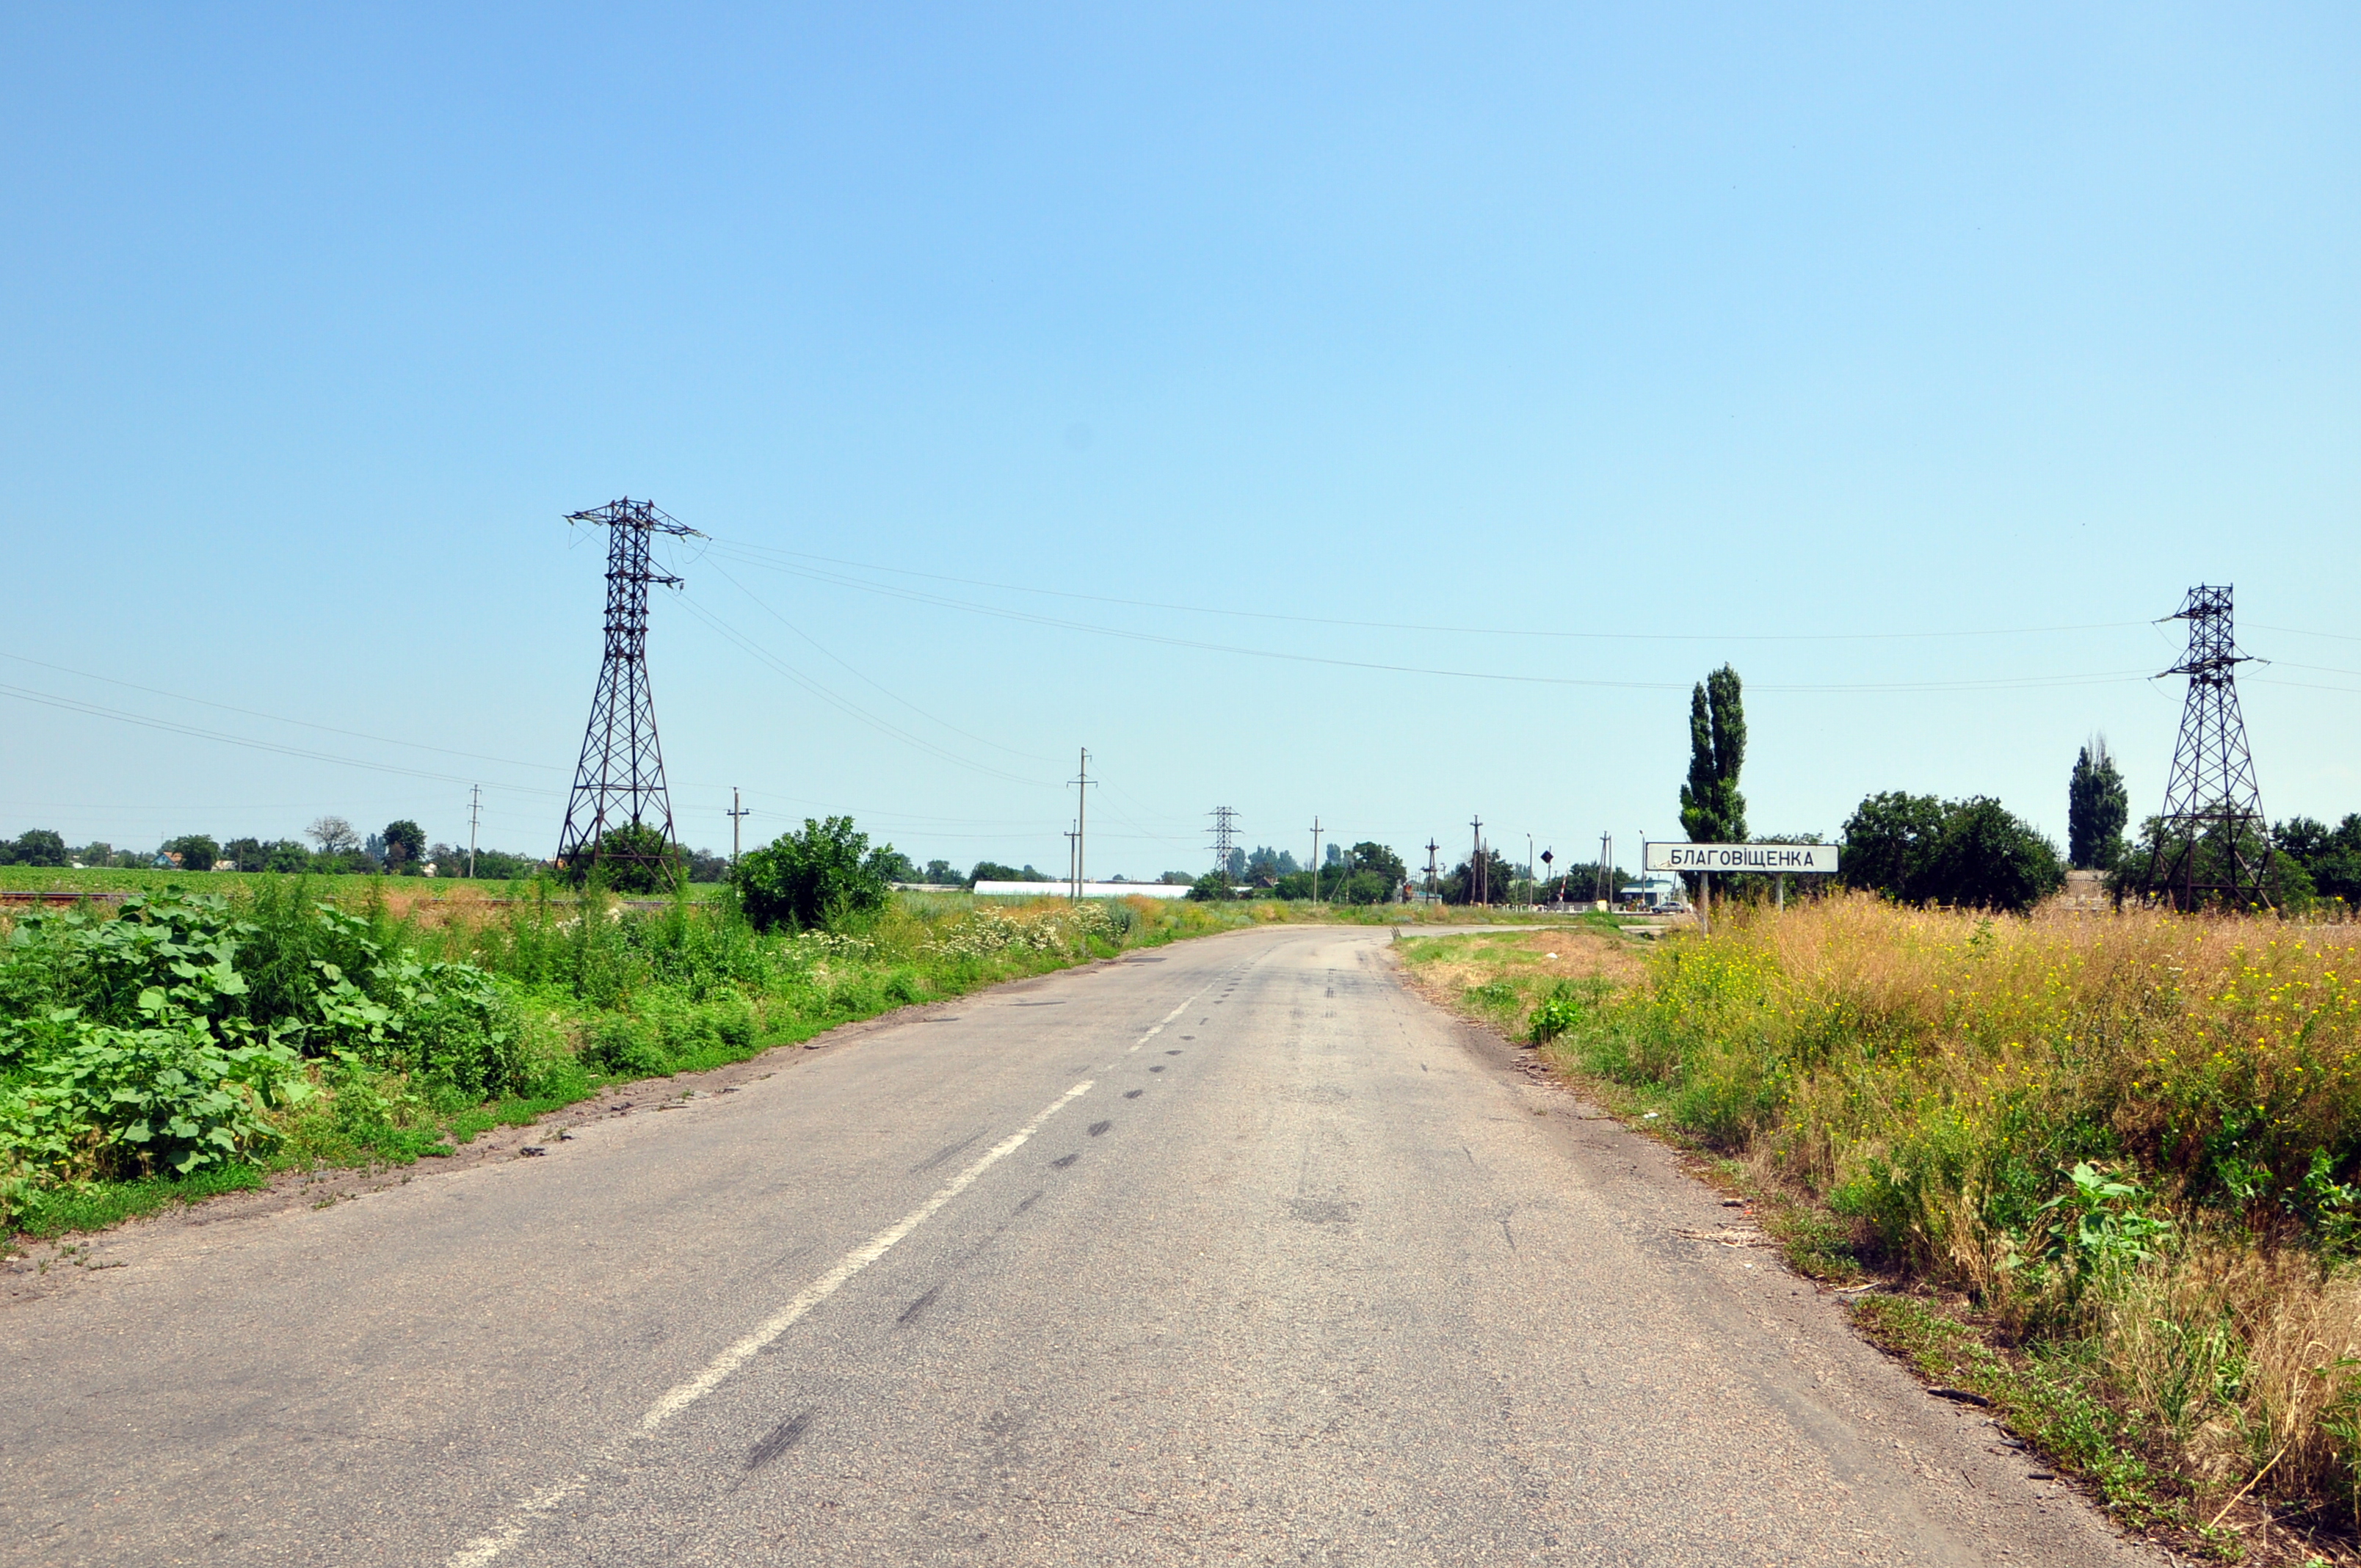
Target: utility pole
x=1431, y=876
x=1316, y=859
x=1605, y=883
x=475, y=814
x=1082, y=783
x=736, y=812
x=1529, y=866
x=1482, y=891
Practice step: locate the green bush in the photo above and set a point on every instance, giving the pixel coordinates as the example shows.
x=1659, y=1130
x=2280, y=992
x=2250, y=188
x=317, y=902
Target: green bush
x=170, y=1096
x=804, y=880
x=158, y=1041
x=1561, y=1011
x=1972, y=854
x=626, y=1046
x=632, y=859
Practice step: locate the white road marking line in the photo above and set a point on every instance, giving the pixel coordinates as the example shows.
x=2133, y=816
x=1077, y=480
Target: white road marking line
x=1158, y=1028
x=477, y=1552
x=861, y=1258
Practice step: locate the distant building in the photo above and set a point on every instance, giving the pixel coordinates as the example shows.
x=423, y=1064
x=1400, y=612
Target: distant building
x=1090, y=889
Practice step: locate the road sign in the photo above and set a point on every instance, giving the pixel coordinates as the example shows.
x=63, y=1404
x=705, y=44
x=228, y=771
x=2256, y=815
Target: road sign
x=1792, y=859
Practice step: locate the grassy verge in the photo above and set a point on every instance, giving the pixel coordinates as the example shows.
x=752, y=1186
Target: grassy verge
x=563, y=998
x=2109, y=1167
x=404, y=889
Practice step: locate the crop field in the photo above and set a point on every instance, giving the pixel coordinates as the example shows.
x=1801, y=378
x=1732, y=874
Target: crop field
x=2107, y=1166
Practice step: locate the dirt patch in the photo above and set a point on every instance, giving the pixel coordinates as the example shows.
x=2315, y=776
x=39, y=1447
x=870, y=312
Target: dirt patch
x=1562, y=954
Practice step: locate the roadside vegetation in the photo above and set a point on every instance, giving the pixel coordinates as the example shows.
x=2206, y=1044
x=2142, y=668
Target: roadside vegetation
x=2110, y=1164
x=189, y=1042
x=199, y=1033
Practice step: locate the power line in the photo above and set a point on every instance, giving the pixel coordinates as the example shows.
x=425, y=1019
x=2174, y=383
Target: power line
x=856, y=674
x=750, y=552
x=842, y=703
x=173, y=726
x=276, y=718
x=1028, y=618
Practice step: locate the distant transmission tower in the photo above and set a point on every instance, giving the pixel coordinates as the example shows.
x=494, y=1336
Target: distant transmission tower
x=619, y=780
x=1225, y=834
x=2213, y=847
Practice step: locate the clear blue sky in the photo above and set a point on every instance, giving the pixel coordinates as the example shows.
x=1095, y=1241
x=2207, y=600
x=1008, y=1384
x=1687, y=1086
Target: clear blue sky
x=1786, y=336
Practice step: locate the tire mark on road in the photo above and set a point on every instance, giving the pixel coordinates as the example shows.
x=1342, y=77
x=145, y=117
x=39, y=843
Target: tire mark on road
x=783, y=1436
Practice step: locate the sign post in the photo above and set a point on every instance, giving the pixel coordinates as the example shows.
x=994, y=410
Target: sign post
x=1781, y=861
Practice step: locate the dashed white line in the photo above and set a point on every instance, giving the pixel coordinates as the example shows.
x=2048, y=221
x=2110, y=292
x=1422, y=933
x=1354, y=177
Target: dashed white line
x=1159, y=1028
x=828, y=1284
x=479, y=1551
x=475, y=1554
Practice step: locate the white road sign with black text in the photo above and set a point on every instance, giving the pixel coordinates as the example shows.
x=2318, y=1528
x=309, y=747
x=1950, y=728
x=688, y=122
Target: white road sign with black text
x=1792, y=859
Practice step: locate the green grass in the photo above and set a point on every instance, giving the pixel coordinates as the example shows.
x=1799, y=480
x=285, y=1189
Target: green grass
x=2125, y=1147
x=94, y=1206
x=340, y=887
x=2054, y=1397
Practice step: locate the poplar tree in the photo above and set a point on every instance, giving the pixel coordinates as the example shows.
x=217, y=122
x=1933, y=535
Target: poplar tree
x=1712, y=811
x=2097, y=806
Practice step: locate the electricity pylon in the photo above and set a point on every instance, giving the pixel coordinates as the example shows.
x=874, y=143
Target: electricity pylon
x=2212, y=845
x=619, y=780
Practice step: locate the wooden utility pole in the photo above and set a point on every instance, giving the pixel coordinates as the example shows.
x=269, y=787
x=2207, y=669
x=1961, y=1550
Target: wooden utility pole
x=474, y=812
x=1479, y=885
x=1316, y=859
x=1432, y=890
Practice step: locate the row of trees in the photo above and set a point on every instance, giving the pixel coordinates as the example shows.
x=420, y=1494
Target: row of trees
x=2308, y=859
x=1975, y=852
x=336, y=847
x=1916, y=847
x=1921, y=849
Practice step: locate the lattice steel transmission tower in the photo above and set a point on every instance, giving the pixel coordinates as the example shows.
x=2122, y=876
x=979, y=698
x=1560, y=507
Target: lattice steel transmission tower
x=1225, y=838
x=620, y=782
x=2213, y=847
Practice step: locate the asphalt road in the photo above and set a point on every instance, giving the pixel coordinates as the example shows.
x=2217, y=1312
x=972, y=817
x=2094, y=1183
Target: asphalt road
x=1235, y=1252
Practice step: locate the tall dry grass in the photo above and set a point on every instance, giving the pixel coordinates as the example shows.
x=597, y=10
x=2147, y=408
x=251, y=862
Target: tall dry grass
x=1938, y=1077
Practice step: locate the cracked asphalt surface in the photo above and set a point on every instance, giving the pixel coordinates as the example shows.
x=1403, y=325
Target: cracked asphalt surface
x=1308, y=1273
